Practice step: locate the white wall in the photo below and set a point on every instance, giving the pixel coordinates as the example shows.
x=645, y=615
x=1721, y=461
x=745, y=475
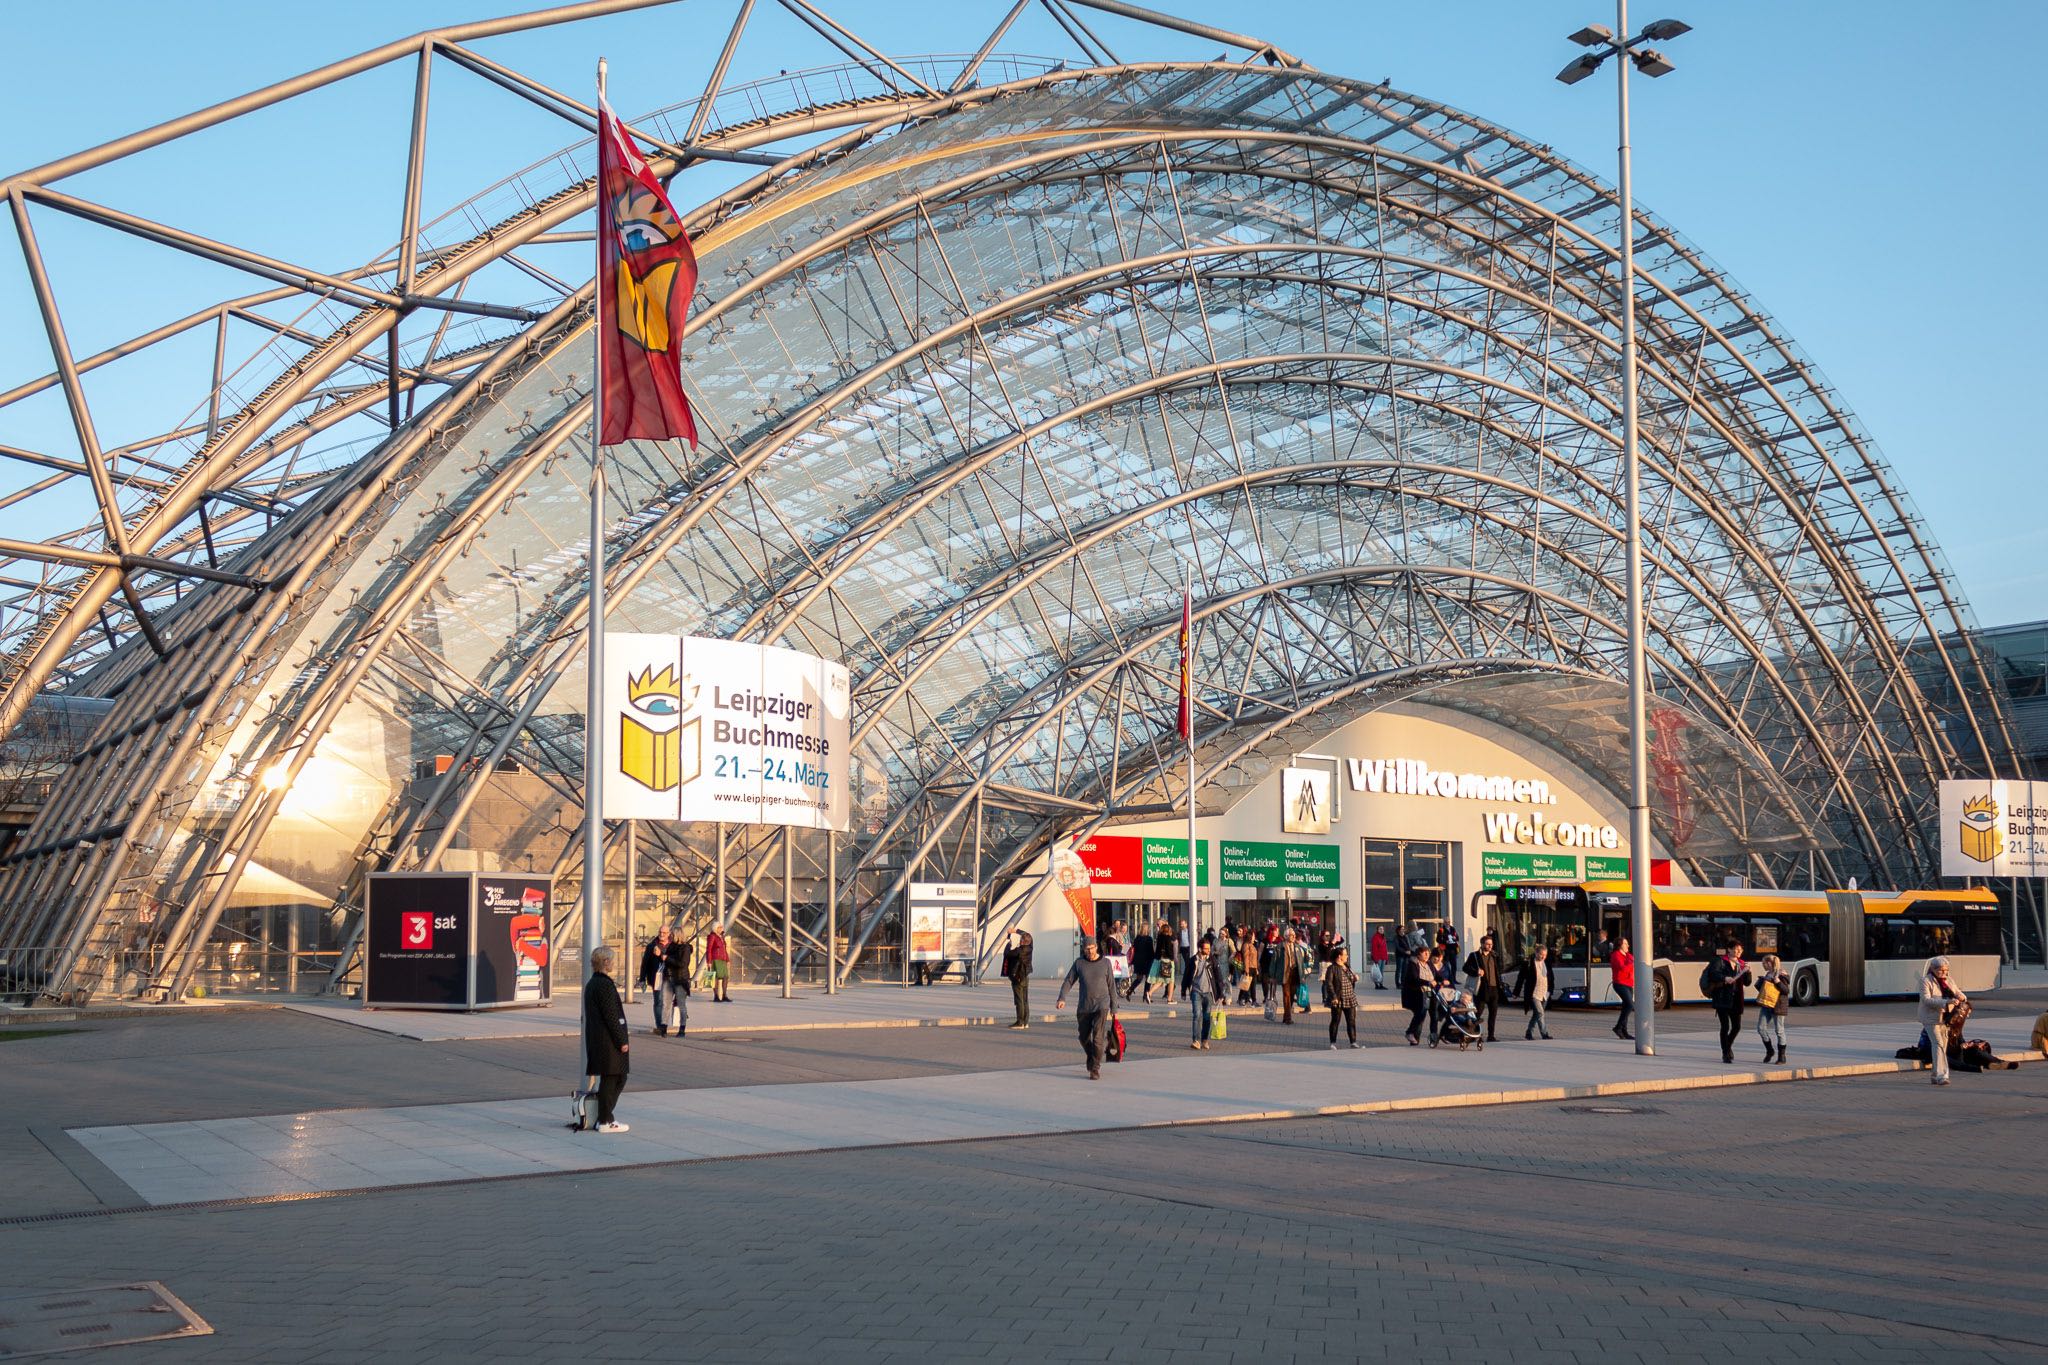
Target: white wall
x=1444, y=741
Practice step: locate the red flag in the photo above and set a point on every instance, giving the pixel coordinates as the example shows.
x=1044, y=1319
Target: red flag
x=646, y=274
x=1187, y=667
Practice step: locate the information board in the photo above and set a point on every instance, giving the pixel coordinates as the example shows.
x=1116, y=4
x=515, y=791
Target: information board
x=1496, y=868
x=512, y=918
x=1992, y=828
x=941, y=921
x=1295, y=866
x=456, y=940
x=696, y=728
x=1142, y=860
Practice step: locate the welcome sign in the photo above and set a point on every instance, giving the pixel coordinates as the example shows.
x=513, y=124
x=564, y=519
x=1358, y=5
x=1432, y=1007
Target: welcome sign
x=704, y=729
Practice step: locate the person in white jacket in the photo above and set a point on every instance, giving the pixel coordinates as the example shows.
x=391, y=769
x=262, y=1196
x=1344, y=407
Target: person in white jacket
x=1938, y=995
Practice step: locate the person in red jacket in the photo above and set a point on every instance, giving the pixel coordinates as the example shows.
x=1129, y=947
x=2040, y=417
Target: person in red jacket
x=1624, y=965
x=1379, y=959
x=719, y=957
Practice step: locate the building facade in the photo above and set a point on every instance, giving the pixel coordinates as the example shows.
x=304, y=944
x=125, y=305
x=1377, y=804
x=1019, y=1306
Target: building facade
x=991, y=355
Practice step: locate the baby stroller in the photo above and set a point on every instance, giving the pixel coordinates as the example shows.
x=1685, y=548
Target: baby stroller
x=1457, y=1020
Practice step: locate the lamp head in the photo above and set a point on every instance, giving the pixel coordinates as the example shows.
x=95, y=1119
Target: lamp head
x=1651, y=62
x=1579, y=68
x=1594, y=35
x=1664, y=30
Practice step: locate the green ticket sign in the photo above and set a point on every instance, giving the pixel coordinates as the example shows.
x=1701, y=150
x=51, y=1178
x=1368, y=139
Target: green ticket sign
x=1498, y=868
x=1302, y=867
x=1606, y=869
x=1165, y=862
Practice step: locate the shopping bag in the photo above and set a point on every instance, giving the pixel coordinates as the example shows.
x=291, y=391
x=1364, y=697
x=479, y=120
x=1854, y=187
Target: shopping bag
x=1119, y=966
x=1301, y=996
x=1219, y=1026
x=1115, y=1051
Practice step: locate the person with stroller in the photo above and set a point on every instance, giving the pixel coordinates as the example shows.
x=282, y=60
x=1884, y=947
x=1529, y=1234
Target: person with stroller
x=1418, y=989
x=1340, y=993
x=1457, y=1018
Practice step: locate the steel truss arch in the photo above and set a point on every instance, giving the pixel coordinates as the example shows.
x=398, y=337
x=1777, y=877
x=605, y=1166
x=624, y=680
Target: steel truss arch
x=1466, y=374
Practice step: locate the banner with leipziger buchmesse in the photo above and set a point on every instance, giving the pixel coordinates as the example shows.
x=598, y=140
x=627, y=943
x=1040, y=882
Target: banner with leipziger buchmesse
x=703, y=729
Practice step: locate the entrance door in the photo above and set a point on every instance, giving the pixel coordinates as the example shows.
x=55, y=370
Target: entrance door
x=1407, y=885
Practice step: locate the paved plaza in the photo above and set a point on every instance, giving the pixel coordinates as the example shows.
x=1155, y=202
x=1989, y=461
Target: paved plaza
x=1797, y=1217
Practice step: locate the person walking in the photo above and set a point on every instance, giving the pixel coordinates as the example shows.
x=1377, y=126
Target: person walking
x=682, y=961
x=654, y=978
x=1378, y=952
x=605, y=1039
x=1533, y=986
x=1940, y=998
x=1246, y=965
x=1203, y=988
x=718, y=957
x=1340, y=993
x=1483, y=967
x=1293, y=972
x=1017, y=967
x=1773, y=1003
x=1164, y=953
x=1096, y=1005
x=1724, y=980
x=1141, y=967
x=1623, y=965
x=1418, y=988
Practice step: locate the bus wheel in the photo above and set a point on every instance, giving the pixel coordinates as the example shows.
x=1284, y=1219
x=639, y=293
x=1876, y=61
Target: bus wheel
x=1660, y=991
x=1806, y=989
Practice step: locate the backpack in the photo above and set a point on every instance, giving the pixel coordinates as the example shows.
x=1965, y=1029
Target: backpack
x=1707, y=982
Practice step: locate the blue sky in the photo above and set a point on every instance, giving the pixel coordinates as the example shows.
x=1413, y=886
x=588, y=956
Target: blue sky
x=1869, y=172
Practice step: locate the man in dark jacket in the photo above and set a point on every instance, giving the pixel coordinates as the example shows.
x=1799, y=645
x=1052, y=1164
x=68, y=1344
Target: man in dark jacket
x=605, y=1042
x=1141, y=966
x=1724, y=980
x=1017, y=966
x=1483, y=967
x=682, y=962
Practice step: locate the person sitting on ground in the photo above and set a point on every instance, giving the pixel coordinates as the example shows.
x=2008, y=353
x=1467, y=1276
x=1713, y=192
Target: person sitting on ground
x=2040, y=1039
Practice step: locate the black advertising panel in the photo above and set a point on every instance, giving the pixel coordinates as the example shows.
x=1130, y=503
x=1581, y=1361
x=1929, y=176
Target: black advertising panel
x=513, y=917
x=417, y=941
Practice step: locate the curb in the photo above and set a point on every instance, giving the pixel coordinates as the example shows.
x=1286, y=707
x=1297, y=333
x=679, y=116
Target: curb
x=1482, y=1099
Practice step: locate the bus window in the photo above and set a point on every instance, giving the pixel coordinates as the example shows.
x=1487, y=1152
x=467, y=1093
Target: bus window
x=1938, y=936
x=1766, y=937
x=1685, y=938
x=1732, y=929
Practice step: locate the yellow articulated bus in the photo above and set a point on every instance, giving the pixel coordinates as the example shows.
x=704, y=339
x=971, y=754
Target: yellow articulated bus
x=1837, y=945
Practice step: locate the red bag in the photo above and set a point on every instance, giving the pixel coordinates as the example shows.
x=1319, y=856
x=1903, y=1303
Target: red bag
x=1115, y=1051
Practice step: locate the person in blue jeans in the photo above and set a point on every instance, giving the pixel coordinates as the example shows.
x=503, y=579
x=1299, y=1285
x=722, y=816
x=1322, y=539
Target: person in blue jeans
x=1204, y=985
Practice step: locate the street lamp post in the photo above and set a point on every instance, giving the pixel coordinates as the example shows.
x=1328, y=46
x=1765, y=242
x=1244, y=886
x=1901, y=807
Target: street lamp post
x=1603, y=44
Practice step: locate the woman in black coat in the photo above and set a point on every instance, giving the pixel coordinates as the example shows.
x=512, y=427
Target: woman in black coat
x=605, y=1040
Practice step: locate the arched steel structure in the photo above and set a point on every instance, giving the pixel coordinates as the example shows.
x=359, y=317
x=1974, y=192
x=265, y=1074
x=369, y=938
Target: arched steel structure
x=981, y=364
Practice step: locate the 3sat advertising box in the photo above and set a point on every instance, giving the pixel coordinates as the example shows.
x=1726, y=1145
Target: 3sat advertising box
x=456, y=940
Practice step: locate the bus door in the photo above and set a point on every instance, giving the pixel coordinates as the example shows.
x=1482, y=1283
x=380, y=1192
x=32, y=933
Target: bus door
x=1846, y=931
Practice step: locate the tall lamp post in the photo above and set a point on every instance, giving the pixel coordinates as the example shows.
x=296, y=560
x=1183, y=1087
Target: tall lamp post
x=1604, y=44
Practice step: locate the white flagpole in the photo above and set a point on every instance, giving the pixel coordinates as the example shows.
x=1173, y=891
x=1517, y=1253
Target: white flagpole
x=1187, y=609
x=593, y=735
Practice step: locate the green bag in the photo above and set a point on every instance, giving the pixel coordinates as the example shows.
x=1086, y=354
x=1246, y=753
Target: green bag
x=1219, y=1026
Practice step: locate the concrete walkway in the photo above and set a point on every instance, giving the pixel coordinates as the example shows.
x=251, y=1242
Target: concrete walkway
x=753, y=1009
x=332, y=1151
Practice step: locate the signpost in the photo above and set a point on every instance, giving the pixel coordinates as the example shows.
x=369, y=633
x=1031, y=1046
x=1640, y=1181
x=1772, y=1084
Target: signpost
x=1274, y=866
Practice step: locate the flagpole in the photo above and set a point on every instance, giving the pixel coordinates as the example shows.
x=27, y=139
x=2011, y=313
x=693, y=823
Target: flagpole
x=593, y=738
x=1187, y=701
